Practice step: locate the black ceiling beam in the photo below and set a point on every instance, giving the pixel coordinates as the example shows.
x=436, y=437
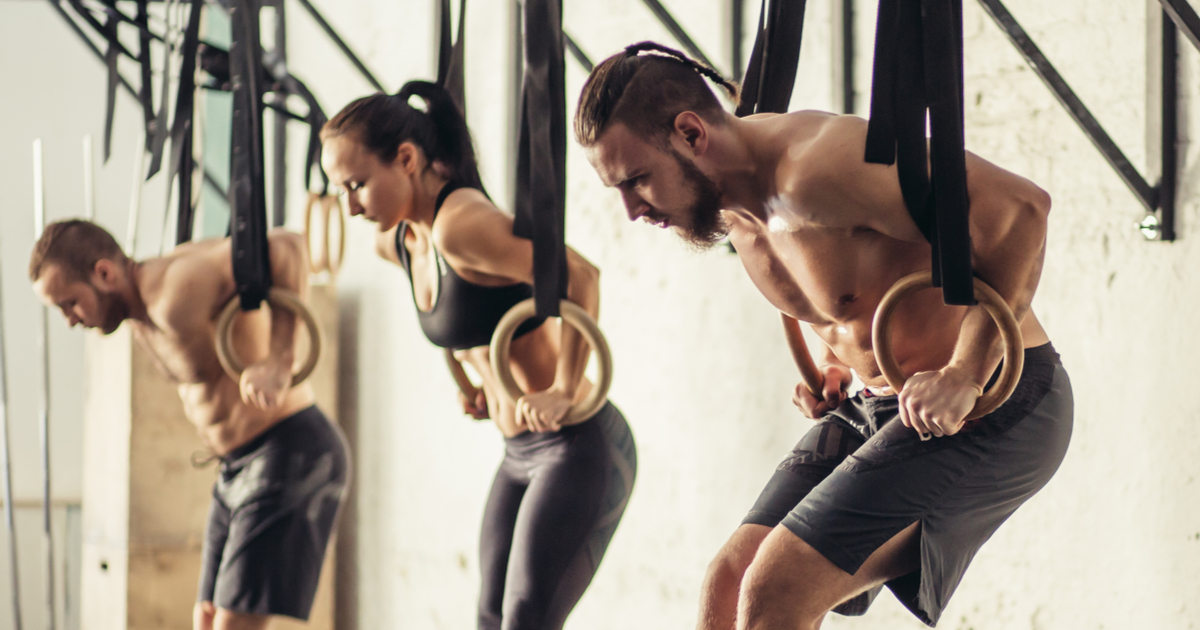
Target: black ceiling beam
x=1185, y=18
x=577, y=52
x=1145, y=193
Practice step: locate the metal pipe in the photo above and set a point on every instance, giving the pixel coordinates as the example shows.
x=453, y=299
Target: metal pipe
x=39, y=220
x=279, y=155
x=737, y=34
x=135, y=197
x=848, y=95
x=1167, y=185
x=89, y=180
x=341, y=44
x=6, y=470
x=1075, y=107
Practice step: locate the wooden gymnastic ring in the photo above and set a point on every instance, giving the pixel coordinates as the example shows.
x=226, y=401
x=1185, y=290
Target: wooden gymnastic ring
x=317, y=260
x=277, y=298
x=320, y=259
x=990, y=300
x=333, y=205
x=463, y=381
x=574, y=315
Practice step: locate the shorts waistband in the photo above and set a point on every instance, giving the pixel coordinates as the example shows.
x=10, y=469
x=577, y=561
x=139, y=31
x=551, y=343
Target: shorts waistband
x=257, y=442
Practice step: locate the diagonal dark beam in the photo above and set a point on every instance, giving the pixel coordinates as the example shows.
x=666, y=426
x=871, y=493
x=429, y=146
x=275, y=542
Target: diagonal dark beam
x=90, y=44
x=121, y=17
x=1075, y=107
x=677, y=31
x=341, y=44
x=1185, y=18
x=578, y=53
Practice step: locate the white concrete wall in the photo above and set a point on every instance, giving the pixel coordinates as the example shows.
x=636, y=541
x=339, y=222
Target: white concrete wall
x=703, y=373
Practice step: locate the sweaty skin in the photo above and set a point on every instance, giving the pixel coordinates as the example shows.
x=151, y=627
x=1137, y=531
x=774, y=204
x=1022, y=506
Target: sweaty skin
x=824, y=235
x=475, y=238
x=172, y=304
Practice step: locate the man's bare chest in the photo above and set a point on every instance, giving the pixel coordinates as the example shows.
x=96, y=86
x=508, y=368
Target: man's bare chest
x=184, y=356
x=826, y=276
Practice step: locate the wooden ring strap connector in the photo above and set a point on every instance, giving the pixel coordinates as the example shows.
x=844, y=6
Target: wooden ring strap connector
x=990, y=300
x=574, y=315
x=320, y=257
x=277, y=298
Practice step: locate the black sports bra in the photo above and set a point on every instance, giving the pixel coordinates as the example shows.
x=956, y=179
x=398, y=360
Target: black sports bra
x=464, y=314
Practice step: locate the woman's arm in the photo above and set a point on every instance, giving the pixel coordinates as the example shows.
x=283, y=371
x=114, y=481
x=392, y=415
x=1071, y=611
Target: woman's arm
x=476, y=237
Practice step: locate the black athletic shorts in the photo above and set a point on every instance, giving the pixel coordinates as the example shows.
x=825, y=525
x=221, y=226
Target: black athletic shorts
x=274, y=506
x=858, y=478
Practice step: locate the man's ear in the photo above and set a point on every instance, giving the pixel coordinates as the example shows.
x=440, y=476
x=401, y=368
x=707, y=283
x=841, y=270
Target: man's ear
x=106, y=274
x=691, y=129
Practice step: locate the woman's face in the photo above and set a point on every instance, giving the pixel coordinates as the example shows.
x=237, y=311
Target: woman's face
x=380, y=192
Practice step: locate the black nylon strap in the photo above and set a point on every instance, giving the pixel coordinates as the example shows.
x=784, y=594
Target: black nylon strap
x=146, y=93
x=181, y=130
x=450, y=55
x=918, y=66
x=111, y=54
x=315, y=120
x=943, y=61
x=753, y=74
x=251, y=260
x=542, y=154
x=771, y=73
x=161, y=127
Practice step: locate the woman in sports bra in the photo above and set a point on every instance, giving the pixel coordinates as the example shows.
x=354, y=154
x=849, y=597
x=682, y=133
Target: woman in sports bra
x=561, y=489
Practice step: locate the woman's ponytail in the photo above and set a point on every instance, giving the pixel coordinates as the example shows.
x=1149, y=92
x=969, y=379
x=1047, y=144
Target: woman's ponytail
x=452, y=144
x=383, y=122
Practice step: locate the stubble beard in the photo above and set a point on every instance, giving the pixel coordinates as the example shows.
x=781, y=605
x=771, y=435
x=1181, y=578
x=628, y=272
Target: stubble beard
x=113, y=310
x=705, y=227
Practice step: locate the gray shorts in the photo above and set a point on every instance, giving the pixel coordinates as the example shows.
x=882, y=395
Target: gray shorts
x=273, y=511
x=858, y=478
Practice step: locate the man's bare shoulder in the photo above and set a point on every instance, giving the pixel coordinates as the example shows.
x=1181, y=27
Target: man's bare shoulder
x=189, y=284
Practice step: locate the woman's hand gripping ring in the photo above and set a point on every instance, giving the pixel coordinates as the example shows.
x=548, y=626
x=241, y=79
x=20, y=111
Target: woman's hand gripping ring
x=574, y=315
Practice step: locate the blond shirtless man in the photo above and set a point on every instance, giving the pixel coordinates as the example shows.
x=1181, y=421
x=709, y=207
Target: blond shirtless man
x=283, y=465
x=861, y=501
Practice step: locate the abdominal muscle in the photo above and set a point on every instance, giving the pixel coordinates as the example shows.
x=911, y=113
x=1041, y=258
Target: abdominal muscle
x=224, y=422
x=533, y=358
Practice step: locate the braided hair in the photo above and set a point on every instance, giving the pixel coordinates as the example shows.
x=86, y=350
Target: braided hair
x=383, y=122
x=645, y=87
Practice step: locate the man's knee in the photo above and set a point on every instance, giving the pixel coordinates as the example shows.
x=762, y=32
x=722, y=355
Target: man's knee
x=787, y=569
x=225, y=619
x=736, y=555
x=202, y=615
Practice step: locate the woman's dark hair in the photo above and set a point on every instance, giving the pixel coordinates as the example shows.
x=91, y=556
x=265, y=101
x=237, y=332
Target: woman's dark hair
x=383, y=122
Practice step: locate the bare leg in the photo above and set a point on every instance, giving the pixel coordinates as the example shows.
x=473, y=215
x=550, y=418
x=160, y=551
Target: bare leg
x=719, y=594
x=202, y=616
x=229, y=620
x=791, y=586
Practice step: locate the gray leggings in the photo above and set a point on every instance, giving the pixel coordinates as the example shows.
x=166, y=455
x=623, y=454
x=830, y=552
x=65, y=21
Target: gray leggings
x=553, y=508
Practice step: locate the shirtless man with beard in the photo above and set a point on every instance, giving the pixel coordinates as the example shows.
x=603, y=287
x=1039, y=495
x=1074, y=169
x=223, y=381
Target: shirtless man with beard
x=284, y=466
x=861, y=501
